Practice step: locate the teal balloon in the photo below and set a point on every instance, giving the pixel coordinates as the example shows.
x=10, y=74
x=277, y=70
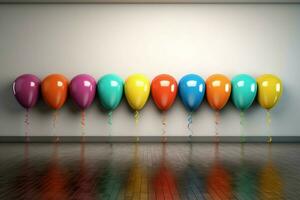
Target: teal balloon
x=244, y=89
x=110, y=91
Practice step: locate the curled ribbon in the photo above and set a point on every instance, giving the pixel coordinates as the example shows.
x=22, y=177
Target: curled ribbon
x=82, y=124
x=268, y=120
x=190, y=121
x=164, y=125
x=26, y=122
x=242, y=123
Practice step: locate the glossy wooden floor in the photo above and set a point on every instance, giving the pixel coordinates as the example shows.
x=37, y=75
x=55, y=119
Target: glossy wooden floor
x=149, y=171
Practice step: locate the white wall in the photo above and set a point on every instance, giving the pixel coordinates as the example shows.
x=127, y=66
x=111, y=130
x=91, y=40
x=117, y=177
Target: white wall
x=150, y=39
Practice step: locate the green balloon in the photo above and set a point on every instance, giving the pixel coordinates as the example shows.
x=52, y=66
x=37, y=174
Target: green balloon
x=110, y=91
x=244, y=89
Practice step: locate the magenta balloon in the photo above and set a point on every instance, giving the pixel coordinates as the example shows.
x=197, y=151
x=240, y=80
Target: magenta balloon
x=83, y=90
x=26, y=89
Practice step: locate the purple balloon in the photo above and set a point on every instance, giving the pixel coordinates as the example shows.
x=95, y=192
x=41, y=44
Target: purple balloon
x=83, y=90
x=26, y=89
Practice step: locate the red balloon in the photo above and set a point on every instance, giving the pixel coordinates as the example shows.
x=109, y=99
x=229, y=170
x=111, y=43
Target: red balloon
x=164, y=91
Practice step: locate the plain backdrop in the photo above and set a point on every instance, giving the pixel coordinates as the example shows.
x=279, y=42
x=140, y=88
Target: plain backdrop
x=150, y=39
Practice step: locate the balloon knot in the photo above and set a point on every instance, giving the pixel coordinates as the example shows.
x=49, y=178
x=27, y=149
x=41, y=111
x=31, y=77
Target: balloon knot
x=270, y=139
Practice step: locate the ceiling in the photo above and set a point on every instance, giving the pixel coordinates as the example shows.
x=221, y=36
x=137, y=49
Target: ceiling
x=150, y=1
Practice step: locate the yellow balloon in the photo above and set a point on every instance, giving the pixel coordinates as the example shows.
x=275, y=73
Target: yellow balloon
x=269, y=90
x=137, y=89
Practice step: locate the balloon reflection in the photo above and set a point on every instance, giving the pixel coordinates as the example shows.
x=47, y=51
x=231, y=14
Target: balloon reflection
x=54, y=183
x=25, y=184
x=245, y=180
x=164, y=181
x=111, y=182
x=175, y=177
x=271, y=186
x=218, y=181
x=137, y=183
x=192, y=183
x=84, y=180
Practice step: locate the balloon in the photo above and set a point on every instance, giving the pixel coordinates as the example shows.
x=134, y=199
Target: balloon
x=55, y=90
x=26, y=90
x=218, y=91
x=164, y=91
x=110, y=91
x=137, y=89
x=244, y=90
x=269, y=90
x=191, y=91
x=83, y=90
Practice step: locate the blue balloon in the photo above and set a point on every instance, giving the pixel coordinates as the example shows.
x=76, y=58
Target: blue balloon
x=244, y=89
x=191, y=91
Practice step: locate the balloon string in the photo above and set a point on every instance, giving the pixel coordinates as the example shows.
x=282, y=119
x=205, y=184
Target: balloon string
x=82, y=126
x=164, y=125
x=136, y=118
x=110, y=118
x=189, y=126
x=242, y=123
x=26, y=123
x=110, y=126
x=268, y=120
x=217, y=122
x=55, y=116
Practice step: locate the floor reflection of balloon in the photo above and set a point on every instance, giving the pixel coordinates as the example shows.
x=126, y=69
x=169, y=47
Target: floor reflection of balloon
x=54, y=181
x=164, y=180
x=84, y=180
x=112, y=180
x=191, y=183
x=245, y=180
x=149, y=171
x=270, y=180
x=219, y=180
x=137, y=185
x=26, y=179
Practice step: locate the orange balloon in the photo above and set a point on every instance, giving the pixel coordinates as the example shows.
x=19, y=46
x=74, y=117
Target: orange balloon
x=55, y=90
x=218, y=89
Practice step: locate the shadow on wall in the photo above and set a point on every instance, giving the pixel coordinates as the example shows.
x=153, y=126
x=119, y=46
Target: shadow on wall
x=8, y=102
